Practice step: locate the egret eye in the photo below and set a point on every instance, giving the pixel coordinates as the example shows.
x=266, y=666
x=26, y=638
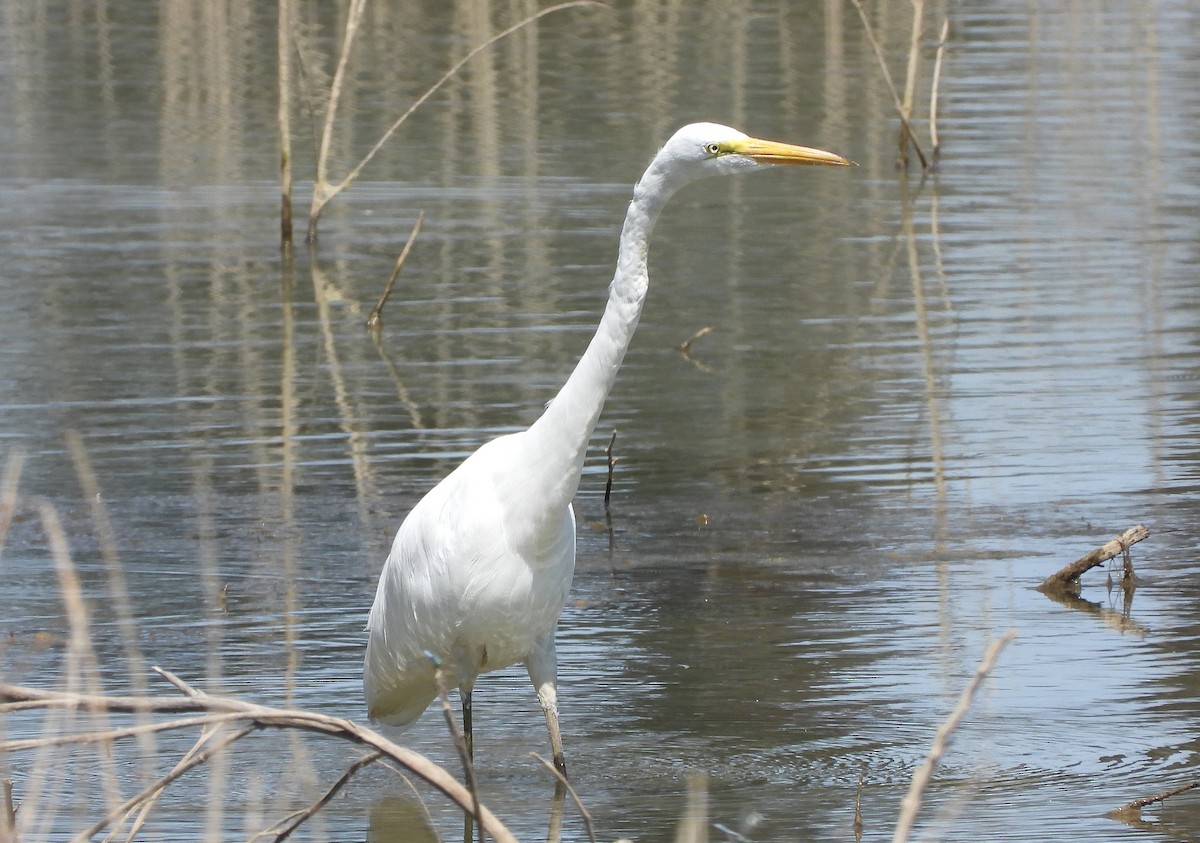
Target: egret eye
x=712, y=148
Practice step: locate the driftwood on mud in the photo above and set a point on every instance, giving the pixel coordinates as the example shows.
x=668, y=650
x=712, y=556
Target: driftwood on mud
x=1067, y=579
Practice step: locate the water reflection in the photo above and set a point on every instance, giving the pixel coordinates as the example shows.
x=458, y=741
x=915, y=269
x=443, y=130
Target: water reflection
x=917, y=400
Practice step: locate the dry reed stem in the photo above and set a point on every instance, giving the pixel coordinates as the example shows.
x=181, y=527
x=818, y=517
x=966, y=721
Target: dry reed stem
x=375, y=320
x=297, y=819
x=222, y=709
x=8, y=492
x=934, y=90
x=923, y=774
x=612, y=464
x=887, y=76
x=460, y=744
x=81, y=665
x=323, y=191
x=563, y=783
x=10, y=815
x=910, y=79
x=151, y=792
x=693, y=825
x=285, y=123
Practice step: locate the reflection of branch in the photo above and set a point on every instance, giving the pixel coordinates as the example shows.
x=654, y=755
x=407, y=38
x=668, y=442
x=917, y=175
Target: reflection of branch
x=211, y=710
x=1067, y=579
x=1120, y=621
x=924, y=773
x=685, y=348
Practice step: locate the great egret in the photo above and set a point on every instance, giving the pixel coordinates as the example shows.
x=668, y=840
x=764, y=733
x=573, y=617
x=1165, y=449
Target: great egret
x=479, y=571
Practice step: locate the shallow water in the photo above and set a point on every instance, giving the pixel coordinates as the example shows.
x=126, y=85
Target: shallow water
x=919, y=398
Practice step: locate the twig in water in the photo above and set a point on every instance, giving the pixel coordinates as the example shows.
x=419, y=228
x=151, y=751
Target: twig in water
x=924, y=773
x=375, y=320
x=562, y=781
x=685, y=347
x=612, y=463
x=460, y=744
x=858, y=819
x=1132, y=809
x=300, y=817
x=887, y=76
x=1067, y=579
x=910, y=80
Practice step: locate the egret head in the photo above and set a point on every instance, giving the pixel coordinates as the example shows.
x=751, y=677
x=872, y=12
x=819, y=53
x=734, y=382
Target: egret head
x=699, y=150
x=712, y=149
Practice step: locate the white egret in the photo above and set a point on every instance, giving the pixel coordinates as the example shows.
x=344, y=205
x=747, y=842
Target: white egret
x=479, y=571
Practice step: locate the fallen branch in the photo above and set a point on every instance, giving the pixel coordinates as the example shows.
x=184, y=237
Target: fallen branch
x=213, y=710
x=1132, y=809
x=924, y=774
x=1067, y=579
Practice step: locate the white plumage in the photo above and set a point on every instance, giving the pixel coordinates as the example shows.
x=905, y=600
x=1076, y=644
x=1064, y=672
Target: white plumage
x=480, y=569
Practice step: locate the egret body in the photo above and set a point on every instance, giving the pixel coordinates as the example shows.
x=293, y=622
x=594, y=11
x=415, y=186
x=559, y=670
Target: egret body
x=479, y=571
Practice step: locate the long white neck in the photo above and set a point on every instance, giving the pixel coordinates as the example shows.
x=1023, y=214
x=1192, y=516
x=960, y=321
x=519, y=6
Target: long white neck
x=557, y=442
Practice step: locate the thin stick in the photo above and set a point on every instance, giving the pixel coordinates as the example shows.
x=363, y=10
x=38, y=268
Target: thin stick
x=1132, y=808
x=157, y=787
x=612, y=463
x=460, y=743
x=10, y=812
x=375, y=320
x=910, y=79
x=933, y=94
x=301, y=817
x=221, y=709
x=320, y=194
x=924, y=773
x=562, y=780
x=891, y=87
x=1067, y=579
x=285, y=124
x=8, y=492
x=323, y=192
x=685, y=347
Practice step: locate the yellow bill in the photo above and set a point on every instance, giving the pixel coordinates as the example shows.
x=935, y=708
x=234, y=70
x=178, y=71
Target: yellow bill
x=772, y=152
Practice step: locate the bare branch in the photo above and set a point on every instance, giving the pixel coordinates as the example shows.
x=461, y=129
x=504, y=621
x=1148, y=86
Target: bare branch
x=1067, y=579
x=923, y=774
x=222, y=709
x=375, y=320
x=887, y=76
x=324, y=192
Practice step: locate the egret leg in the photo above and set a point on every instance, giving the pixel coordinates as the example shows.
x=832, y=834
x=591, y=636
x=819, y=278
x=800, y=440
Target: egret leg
x=466, y=712
x=543, y=671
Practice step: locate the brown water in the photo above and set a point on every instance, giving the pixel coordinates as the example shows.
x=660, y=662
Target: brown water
x=919, y=398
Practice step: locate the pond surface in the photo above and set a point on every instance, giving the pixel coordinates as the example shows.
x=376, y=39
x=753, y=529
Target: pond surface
x=919, y=397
